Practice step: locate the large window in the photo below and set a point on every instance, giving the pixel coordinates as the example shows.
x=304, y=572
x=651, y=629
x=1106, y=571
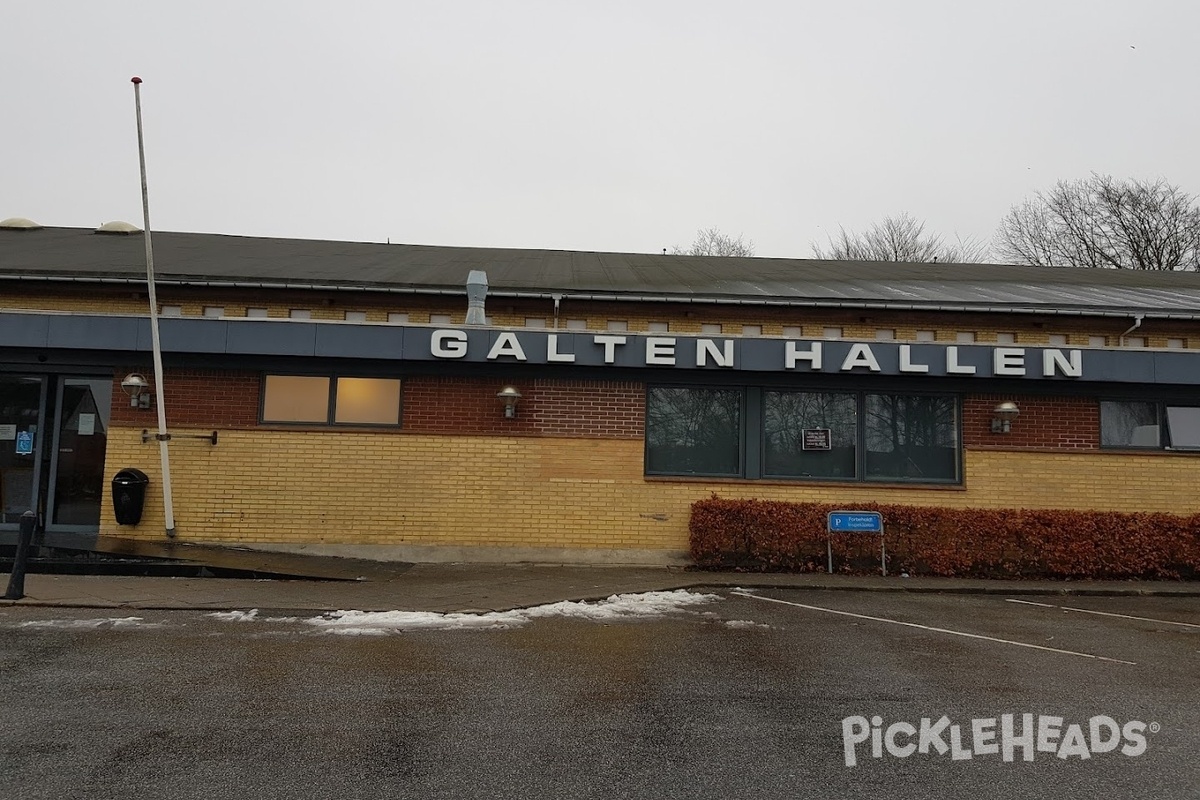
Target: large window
x=323, y=400
x=1149, y=424
x=694, y=431
x=810, y=435
x=770, y=433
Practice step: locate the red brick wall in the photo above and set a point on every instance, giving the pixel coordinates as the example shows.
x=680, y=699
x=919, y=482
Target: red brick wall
x=194, y=398
x=1061, y=423
x=605, y=409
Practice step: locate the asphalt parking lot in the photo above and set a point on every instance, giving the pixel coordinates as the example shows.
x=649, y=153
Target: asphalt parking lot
x=767, y=694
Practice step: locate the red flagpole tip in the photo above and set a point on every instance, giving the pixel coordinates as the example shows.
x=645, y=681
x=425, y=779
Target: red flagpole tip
x=136, y=79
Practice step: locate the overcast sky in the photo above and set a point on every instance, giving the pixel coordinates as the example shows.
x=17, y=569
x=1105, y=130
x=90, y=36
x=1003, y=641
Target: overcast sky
x=620, y=126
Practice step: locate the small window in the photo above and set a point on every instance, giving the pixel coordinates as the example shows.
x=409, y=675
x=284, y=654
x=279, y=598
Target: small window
x=618, y=325
x=535, y=322
x=171, y=311
x=752, y=330
x=398, y=317
x=793, y=331
x=367, y=401
x=1058, y=340
x=659, y=327
x=577, y=324
x=885, y=334
x=1183, y=427
x=296, y=398
x=965, y=337
x=1006, y=338
x=1097, y=341
x=355, y=316
x=926, y=336
x=1135, y=341
x=832, y=333
x=256, y=313
x=1129, y=424
x=439, y=319
x=307, y=399
x=300, y=313
x=214, y=311
x=1176, y=344
x=911, y=437
x=711, y=328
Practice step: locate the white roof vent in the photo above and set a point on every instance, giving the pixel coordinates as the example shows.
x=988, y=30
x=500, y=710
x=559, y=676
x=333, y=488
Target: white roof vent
x=118, y=227
x=19, y=224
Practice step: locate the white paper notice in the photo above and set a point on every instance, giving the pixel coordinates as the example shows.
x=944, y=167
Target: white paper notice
x=87, y=424
x=8, y=433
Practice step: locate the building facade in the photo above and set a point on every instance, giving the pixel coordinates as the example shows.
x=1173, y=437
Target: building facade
x=355, y=412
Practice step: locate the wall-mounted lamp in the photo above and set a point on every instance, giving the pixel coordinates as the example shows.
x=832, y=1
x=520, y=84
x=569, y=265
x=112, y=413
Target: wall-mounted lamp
x=510, y=397
x=138, y=389
x=1003, y=416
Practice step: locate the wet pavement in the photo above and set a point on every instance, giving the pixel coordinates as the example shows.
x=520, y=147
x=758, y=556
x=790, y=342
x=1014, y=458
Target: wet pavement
x=742, y=695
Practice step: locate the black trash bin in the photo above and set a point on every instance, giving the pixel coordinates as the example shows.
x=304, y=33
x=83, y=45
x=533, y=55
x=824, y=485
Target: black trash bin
x=129, y=495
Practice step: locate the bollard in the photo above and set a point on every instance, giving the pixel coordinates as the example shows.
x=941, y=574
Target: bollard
x=16, y=581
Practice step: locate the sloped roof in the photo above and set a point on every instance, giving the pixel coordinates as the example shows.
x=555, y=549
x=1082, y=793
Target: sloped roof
x=80, y=254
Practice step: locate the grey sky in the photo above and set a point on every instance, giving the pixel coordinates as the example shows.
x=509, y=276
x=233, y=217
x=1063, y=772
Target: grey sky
x=594, y=126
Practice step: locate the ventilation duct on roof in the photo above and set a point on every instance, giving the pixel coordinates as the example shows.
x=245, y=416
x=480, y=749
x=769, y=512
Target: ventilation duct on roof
x=118, y=228
x=19, y=224
x=477, y=287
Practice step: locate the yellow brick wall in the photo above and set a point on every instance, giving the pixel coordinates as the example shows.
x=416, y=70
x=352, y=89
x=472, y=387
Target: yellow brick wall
x=354, y=488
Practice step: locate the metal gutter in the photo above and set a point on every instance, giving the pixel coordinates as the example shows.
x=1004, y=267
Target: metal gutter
x=880, y=305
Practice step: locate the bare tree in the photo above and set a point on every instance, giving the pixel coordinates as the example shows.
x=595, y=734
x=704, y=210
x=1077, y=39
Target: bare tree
x=1106, y=223
x=900, y=238
x=711, y=242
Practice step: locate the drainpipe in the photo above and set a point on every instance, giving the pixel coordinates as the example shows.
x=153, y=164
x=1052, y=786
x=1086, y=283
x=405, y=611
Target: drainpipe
x=1137, y=323
x=557, y=298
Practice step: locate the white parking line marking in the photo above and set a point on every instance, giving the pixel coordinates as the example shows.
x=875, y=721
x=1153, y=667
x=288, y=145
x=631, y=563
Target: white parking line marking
x=1103, y=613
x=936, y=630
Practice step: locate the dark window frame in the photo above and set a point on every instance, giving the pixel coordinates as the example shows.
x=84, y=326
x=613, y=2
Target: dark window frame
x=1162, y=408
x=330, y=402
x=752, y=444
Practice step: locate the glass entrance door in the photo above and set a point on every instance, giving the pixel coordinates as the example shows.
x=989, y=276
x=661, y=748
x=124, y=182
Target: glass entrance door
x=22, y=406
x=81, y=415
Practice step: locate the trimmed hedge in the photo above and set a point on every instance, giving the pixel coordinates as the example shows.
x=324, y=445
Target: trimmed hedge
x=772, y=536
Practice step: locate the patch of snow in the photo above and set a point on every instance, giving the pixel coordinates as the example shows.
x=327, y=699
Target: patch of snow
x=112, y=622
x=744, y=623
x=235, y=616
x=615, y=608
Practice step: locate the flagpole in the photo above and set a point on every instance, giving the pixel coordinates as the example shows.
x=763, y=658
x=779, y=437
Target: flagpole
x=163, y=437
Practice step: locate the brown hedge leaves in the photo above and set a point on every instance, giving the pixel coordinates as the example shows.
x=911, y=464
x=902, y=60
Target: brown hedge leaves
x=772, y=536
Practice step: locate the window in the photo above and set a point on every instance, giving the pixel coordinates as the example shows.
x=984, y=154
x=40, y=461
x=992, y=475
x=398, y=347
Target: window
x=256, y=313
x=355, y=316
x=911, y=438
x=323, y=400
x=693, y=431
x=577, y=324
x=1096, y=341
x=618, y=325
x=1176, y=344
x=885, y=334
x=810, y=435
x=711, y=328
x=926, y=336
x=1135, y=341
x=214, y=311
x=171, y=311
x=752, y=330
x=1129, y=424
x=1006, y=338
x=761, y=432
x=1149, y=424
x=659, y=327
x=439, y=319
x=300, y=313
x=832, y=333
x=398, y=317
x=535, y=322
x=965, y=337
x=793, y=331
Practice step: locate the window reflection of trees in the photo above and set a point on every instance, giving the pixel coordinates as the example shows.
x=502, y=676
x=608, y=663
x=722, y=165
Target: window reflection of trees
x=911, y=436
x=786, y=415
x=694, y=430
